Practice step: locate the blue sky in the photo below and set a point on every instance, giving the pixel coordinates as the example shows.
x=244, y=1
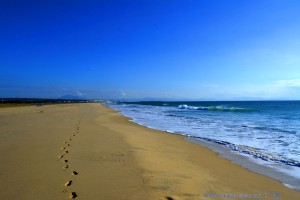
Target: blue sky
x=162, y=49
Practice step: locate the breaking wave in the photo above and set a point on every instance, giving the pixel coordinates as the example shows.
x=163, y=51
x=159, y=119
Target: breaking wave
x=214, y=108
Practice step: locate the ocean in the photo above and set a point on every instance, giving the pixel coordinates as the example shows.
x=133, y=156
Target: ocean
x=266, y=132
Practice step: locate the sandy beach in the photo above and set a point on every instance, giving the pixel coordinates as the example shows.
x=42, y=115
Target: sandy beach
x=90, y=152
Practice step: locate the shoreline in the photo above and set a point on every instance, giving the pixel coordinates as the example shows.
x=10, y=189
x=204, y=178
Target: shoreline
x=248, y=162
x=113, y=158
x=184, y=138
x=245, y=160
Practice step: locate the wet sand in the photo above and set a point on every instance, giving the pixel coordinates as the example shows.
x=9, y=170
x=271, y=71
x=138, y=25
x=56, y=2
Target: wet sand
x=88, y=151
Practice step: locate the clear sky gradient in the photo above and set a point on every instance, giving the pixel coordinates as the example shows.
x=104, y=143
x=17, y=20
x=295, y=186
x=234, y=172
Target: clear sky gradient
x=161, y=49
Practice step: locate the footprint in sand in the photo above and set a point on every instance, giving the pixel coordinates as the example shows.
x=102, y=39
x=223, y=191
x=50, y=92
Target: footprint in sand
x=168, y=198
x=66, y=167
x=66, y=151
x=66, y=161
x=74, y=173
x=73, y=195
x=65, y=142
x=68, y=183
x=61, y=156
x=63, y=148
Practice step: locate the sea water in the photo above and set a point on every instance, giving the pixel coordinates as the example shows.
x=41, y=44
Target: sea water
x=267, y=131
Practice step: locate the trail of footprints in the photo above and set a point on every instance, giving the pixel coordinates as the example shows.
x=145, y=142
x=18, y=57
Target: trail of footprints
x=66, y=167
x=64, y=154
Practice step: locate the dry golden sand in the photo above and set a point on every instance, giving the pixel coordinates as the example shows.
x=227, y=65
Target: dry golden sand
x=89, y=152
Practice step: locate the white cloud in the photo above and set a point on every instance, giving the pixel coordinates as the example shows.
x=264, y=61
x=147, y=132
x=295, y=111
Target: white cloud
x=282, y=89
x=79, y=93
x=288, y=83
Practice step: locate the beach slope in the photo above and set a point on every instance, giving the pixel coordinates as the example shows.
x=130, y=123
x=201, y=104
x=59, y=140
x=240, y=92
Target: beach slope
x=88, y=151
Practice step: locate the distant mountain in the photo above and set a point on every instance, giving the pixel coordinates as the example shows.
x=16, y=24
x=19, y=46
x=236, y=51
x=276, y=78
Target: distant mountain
x=72, y=97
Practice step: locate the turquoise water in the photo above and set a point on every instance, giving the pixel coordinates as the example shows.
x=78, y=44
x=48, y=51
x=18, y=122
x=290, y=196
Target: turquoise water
x=265, y=130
